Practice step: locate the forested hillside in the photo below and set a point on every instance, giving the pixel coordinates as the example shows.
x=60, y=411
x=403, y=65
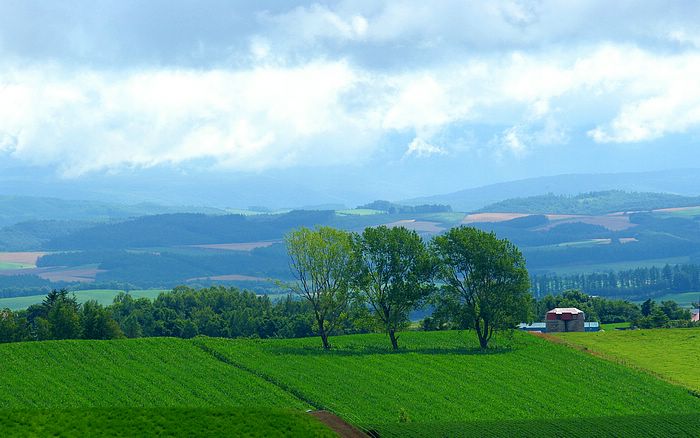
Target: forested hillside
x=592, y=203
x=681, y=181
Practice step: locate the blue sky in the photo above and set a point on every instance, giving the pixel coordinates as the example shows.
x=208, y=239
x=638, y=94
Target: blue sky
x=393, y=99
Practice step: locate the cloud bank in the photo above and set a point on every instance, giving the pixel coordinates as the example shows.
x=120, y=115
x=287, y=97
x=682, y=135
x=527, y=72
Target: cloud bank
x=323, y=84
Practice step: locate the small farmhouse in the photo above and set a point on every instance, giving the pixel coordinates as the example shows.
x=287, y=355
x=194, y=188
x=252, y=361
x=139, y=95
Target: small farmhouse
x=565, y=319
x=592, y=326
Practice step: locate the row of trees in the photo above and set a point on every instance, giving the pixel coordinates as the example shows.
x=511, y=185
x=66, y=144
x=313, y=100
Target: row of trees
x=633, y=282
x=183, y=312
x=231, y=313
x=482, y=280
x=59, y=316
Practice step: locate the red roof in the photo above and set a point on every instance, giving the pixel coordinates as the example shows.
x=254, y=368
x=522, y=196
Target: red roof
x=569, y=310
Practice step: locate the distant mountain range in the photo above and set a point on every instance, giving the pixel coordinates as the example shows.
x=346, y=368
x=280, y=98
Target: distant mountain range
x=680, y=181
x=119, y=204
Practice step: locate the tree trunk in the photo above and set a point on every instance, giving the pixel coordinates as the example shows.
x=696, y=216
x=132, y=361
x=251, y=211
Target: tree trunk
x=394, y=340
x=324, y=338
x=482, y=333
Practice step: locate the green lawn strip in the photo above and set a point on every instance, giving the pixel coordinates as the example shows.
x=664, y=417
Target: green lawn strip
x=671, y=354
x=615, y=325
x=152, y=372
x=172, y=422
x=441, y=377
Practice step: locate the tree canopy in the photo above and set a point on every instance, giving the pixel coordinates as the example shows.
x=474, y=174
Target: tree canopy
x=394, y=274
x=485, y=280
x=322, y=263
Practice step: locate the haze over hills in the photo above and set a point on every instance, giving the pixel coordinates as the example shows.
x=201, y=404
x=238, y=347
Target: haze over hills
x=678, y=181
x=119, y=196
x=15, y=209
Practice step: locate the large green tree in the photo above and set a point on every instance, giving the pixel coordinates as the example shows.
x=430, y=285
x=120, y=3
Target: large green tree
x=485, y=280
x=395, y=273
x=57, y=317
x=97, y=322
x=321, y=261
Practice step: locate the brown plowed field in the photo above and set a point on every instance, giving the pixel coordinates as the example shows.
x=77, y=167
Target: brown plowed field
x=613, y=222
x=420, y=226
x=231, y=277
x=28, y=258
x=56, y=274
x=245, y=246
x=491, y=217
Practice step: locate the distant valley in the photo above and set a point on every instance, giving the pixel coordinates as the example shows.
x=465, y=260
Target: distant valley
x=105, y=246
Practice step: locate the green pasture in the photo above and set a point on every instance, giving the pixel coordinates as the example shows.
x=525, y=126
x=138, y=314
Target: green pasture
x=14, y=265
x=102, y=296
x=685, y=212
x=617, y=266
x=685, y=299
x=615, y=325
x=672, y=354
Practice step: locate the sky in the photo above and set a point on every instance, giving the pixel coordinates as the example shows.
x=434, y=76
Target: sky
x=356, y=99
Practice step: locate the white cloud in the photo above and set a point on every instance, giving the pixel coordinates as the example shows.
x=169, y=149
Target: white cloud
x=512, y=141
x=421, y=148
x=309, y=23
x=280, y=114
x=251, y=119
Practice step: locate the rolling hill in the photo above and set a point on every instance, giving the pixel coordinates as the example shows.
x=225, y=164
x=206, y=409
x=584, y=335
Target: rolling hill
x=16, y=209
x=679, y=181
x=593, y=203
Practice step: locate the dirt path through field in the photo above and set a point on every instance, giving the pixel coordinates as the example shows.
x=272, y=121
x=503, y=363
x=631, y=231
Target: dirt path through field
x=338, y=425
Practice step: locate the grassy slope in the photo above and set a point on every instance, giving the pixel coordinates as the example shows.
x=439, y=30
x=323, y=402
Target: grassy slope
x=448, y=389
x=673, y=354
x=442, y=382
x=172, y=422
x=102, y=296
x=127, y=373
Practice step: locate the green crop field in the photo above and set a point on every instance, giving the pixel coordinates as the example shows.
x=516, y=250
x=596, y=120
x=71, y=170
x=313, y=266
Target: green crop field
x=682, y=212
x=685, y=299
x=443, y=385
x=102, y=296
x=672, y=354
x=14, y=265
x=439, y=384
x=617, y=266
x=171, y=422
x=152, y=372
